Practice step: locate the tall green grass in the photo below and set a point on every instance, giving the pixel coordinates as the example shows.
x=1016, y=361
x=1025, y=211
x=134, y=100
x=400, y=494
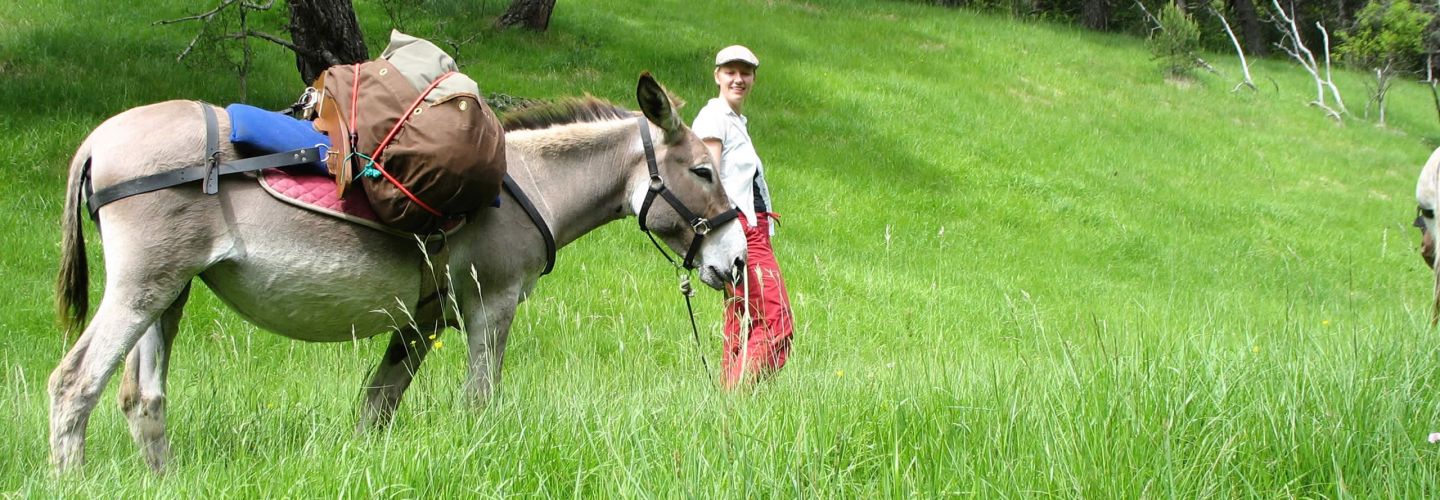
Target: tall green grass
x=1023, y=264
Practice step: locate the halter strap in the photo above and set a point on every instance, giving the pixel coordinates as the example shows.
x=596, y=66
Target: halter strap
x=700, y=225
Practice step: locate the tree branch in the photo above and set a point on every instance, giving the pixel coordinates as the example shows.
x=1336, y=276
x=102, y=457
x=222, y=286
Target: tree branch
x=1244, y=65
x=198, y=17
x=1153, y=20
x=273, y=39
x=1329, y=81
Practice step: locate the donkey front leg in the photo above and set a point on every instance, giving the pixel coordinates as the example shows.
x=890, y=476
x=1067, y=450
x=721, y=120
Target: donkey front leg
x=408, y=347
x=142, y=385
x=487, y=328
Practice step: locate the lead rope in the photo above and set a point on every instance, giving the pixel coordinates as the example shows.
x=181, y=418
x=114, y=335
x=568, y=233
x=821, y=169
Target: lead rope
x=689, y=291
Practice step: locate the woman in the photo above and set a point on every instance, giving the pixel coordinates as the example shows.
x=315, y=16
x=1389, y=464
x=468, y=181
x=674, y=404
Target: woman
x=758, y=321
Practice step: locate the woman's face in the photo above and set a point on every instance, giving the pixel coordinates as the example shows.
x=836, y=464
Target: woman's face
x=735, y=80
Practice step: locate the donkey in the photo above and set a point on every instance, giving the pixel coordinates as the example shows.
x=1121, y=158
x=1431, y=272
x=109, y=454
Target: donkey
x=1427, y=197
x=315, y=278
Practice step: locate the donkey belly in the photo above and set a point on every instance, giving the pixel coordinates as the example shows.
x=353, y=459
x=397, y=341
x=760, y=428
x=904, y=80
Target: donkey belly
x=311, y=277
x=315, y=303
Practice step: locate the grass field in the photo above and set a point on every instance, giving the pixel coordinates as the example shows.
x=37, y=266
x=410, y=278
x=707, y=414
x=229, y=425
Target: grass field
x=1023, y=264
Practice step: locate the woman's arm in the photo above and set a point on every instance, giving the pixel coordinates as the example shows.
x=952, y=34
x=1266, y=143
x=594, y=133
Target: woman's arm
x=716, y=153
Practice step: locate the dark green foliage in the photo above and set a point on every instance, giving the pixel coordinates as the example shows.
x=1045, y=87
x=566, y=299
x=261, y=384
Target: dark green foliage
x=1388, y=35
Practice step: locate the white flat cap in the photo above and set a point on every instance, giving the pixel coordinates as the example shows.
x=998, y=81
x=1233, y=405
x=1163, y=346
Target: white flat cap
x=736, y=53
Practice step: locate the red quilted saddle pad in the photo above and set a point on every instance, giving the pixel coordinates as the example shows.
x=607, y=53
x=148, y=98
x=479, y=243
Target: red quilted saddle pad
x=317, y=192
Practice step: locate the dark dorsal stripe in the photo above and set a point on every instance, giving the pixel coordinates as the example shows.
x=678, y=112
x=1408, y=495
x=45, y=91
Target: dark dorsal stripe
x=563, y=112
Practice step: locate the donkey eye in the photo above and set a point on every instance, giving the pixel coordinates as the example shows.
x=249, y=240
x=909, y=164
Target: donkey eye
x=704, y=172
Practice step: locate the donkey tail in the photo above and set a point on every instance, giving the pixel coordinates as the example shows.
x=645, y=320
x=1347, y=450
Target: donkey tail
x=72, y=283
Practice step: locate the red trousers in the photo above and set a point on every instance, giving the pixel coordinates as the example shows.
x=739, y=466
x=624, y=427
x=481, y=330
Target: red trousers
x=758, y=321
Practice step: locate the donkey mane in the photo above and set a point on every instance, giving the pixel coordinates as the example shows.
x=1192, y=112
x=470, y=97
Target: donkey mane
x=543, y=115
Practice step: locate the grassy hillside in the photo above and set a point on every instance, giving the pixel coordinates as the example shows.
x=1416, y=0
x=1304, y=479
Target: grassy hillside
x=1022, y=262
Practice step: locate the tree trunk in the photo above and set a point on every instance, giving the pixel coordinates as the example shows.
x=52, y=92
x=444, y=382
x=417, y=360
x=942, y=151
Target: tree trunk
x=1250, y=31
x=532, y=14
x=1095, y=14
x=327, y=33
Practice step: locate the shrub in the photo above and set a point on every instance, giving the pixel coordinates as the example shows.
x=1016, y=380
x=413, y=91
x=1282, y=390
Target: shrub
x=1175, y=42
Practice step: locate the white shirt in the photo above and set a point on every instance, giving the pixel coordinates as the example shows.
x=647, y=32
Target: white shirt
x=740, y=170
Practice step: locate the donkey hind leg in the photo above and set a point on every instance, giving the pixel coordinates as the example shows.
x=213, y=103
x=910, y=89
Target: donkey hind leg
x=142, y=384
x=486, y=330
x=125, y=313
x=408, y=347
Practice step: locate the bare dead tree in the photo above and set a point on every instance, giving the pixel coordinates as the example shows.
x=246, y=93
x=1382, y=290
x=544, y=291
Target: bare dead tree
x=1329, y=81
x=1297, y=50
x=1244, y=65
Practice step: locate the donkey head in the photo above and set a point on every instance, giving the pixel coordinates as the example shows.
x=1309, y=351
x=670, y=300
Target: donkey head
x=686, y=170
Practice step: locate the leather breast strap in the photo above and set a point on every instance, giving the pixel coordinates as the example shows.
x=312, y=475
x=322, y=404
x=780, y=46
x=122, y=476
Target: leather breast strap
x=534, y=214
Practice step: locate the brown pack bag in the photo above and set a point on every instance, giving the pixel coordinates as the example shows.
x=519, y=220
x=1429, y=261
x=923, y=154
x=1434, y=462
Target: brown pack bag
x=426, y=148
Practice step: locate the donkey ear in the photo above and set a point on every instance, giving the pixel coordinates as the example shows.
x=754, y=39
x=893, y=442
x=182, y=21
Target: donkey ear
x=659, y=108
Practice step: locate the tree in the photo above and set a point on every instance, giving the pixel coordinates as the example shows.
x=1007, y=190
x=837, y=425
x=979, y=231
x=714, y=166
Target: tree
x=532, y=14
x=1095, y=14
x=325, y=33
x=1174, y=43
x=1249, y=19
x=1387, y=39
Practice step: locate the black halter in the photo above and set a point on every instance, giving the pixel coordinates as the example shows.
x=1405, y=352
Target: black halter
x=700, y=225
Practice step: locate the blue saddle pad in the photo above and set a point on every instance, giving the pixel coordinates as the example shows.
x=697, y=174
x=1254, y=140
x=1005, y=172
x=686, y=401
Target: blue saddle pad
x=256, y=132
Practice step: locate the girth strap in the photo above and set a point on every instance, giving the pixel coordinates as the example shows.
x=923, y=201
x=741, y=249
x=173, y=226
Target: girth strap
x=209, y=170
x=535, y=217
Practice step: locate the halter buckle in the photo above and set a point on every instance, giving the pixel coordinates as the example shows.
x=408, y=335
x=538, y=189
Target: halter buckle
x=701, y=226
x=657, y=184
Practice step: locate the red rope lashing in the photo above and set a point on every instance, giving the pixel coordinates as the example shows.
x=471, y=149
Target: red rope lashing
x=407, y=192
x=395, y=130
